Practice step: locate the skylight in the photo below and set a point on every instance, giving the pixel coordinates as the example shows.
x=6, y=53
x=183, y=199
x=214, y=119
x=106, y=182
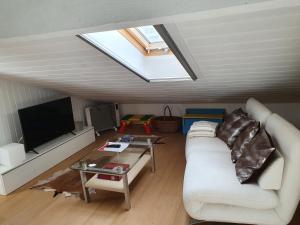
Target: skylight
x=143, y=51
x=147, y=40
x=150, y=34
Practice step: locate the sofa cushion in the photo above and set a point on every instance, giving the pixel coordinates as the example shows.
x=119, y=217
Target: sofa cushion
x=210, y=178
x=229, y=119
x=231, y=214
x=233, y=116
x=203, y=144
x=230, y=133
x=271, y=177
x=254, y=157
x=243, y=139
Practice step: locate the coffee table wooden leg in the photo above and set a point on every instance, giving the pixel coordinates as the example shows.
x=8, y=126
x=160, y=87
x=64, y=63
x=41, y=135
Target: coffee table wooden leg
x=126, y=192
x=84, y=188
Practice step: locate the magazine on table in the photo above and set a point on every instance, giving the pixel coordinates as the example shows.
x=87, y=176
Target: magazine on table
x=114, y=147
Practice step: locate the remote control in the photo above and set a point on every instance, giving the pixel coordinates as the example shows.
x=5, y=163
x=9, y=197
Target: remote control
x=113, y=146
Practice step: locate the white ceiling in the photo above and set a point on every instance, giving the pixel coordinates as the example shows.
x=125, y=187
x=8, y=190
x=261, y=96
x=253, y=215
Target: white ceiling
x=239, y=55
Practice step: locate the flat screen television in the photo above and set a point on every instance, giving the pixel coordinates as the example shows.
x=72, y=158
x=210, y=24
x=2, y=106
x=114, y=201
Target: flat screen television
x=45, y=122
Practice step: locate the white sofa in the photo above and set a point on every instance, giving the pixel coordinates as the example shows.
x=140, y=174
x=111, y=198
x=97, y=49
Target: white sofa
x=211, y=191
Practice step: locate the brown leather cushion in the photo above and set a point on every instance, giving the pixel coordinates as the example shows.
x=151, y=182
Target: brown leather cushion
x=223, y=130
x=229, y=133
x=244, y=138
x=233, y=116
x=254, y=158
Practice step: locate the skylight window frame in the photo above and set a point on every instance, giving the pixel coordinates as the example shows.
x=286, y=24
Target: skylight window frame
x=140, y=31
x=160, y=28
x=148, y=49
x=170, y=43
x=110, y=56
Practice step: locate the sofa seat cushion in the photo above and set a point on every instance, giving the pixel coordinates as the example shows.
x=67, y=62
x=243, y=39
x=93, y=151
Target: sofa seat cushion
x=200, y=144
x=232, y=214
x=210, y=178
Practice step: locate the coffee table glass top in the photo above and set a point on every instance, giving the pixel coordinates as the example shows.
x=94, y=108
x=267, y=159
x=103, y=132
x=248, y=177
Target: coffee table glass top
x=107, y=162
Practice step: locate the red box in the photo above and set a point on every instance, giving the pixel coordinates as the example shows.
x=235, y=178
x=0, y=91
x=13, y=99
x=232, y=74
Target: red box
x=112, y=166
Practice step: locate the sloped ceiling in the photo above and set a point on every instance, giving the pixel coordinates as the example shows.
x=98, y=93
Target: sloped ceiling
x=240, y=55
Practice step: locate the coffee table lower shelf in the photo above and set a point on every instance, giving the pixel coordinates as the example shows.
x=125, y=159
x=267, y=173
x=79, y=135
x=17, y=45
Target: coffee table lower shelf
x=118, y=186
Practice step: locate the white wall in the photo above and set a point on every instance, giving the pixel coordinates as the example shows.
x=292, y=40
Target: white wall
x=290, y=111
x=14, y=96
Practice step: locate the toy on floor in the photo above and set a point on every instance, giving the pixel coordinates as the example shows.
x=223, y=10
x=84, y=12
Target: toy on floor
x=136, y=119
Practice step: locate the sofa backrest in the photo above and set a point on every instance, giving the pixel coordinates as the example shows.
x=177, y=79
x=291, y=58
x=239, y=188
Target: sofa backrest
x=257, y=111
x=286, y=139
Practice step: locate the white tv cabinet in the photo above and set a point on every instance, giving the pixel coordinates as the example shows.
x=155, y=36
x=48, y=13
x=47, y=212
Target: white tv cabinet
x=49, y=155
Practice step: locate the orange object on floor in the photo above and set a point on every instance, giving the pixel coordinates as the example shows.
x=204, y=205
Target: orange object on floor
x=145, y=120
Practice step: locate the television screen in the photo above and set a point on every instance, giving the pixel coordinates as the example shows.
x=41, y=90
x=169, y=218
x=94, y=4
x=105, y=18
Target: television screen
x=44, y=122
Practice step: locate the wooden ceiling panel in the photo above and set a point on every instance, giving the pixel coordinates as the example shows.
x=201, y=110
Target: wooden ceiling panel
x=253, y=54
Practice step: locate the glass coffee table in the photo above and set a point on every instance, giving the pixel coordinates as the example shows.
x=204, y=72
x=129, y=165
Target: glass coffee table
x=115, y=171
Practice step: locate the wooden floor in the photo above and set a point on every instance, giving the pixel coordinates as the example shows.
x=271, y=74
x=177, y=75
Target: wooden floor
x=156, y=198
